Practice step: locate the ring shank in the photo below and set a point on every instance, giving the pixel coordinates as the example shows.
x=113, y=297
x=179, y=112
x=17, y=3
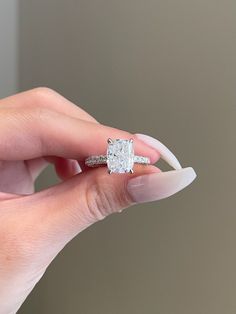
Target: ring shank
x=94, y=161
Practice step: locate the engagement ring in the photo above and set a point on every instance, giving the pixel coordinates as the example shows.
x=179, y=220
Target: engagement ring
x=120, y=157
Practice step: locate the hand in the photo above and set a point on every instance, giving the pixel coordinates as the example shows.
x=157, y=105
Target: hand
x=38, y=127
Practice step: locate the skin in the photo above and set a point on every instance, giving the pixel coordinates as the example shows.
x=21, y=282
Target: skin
x=37, y=127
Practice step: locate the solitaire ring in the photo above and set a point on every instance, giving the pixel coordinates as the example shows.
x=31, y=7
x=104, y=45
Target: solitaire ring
x=120, y=157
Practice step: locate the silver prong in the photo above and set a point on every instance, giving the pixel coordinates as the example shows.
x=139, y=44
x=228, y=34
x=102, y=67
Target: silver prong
x=109, y=141
x=109, y=171
x=131, y=171
x=131, y=140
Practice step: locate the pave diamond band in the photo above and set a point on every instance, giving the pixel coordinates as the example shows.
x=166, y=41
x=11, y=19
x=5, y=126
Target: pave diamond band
x=120, y=157
x=94, y=161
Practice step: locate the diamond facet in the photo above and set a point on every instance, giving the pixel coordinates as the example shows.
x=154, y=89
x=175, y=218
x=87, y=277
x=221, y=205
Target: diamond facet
x=120, y=156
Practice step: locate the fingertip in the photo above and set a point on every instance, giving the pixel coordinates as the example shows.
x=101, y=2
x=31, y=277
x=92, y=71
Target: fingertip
x=66, y=168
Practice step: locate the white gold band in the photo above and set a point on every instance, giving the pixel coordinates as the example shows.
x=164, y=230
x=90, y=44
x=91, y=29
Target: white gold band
x=94, y=161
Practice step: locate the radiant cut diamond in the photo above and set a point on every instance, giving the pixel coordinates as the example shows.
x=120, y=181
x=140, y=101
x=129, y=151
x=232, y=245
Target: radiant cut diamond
x=120, y=156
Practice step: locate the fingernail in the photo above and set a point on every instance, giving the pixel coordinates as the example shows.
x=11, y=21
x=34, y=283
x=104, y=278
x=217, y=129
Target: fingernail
x=156, y=186
x=75, y=167
x=165, y=153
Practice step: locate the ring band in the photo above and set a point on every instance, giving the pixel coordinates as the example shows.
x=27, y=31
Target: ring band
x=93, y=161
x=120, y=157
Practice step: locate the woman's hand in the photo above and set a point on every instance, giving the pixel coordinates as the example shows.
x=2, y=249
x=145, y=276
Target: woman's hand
x=38, y=127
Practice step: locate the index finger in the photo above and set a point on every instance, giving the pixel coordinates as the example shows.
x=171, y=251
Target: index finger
x=38, y=132
x=47, y=98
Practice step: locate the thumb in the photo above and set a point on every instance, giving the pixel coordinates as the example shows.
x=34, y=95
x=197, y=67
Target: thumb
x=36, y=227
x=73, y=205
x=68, y=208
x=51, y=218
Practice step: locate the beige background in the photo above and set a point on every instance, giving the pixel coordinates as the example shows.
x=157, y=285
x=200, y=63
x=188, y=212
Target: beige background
x=165, y=68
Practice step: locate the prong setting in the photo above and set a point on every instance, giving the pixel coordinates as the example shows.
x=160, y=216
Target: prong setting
x=119, y=158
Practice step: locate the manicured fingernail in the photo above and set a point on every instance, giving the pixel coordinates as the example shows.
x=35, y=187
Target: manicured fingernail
x=155, y=186
x=165, y=153
x=75, y=167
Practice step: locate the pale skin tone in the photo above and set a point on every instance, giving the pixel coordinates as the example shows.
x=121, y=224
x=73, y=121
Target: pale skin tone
x=37, y=127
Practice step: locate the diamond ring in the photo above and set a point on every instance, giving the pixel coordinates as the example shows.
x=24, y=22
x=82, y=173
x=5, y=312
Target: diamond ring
x=120, y=157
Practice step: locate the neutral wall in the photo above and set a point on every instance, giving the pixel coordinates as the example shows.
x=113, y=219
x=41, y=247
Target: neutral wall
x=8, y=47
x=166, y=68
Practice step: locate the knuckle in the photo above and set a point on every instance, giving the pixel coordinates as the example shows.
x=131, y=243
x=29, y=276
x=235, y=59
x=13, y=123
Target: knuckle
x=36, y=122
x=103, y=199
x=40, y=113
x=45, y=97
x=42, y=93
x=97, y=203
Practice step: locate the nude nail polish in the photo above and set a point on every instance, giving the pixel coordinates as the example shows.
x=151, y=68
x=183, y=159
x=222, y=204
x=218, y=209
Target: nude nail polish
x=165, y=153
x=156, y=186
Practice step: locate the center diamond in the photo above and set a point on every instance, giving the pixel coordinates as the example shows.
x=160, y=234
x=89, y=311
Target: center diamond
x=120, y=156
